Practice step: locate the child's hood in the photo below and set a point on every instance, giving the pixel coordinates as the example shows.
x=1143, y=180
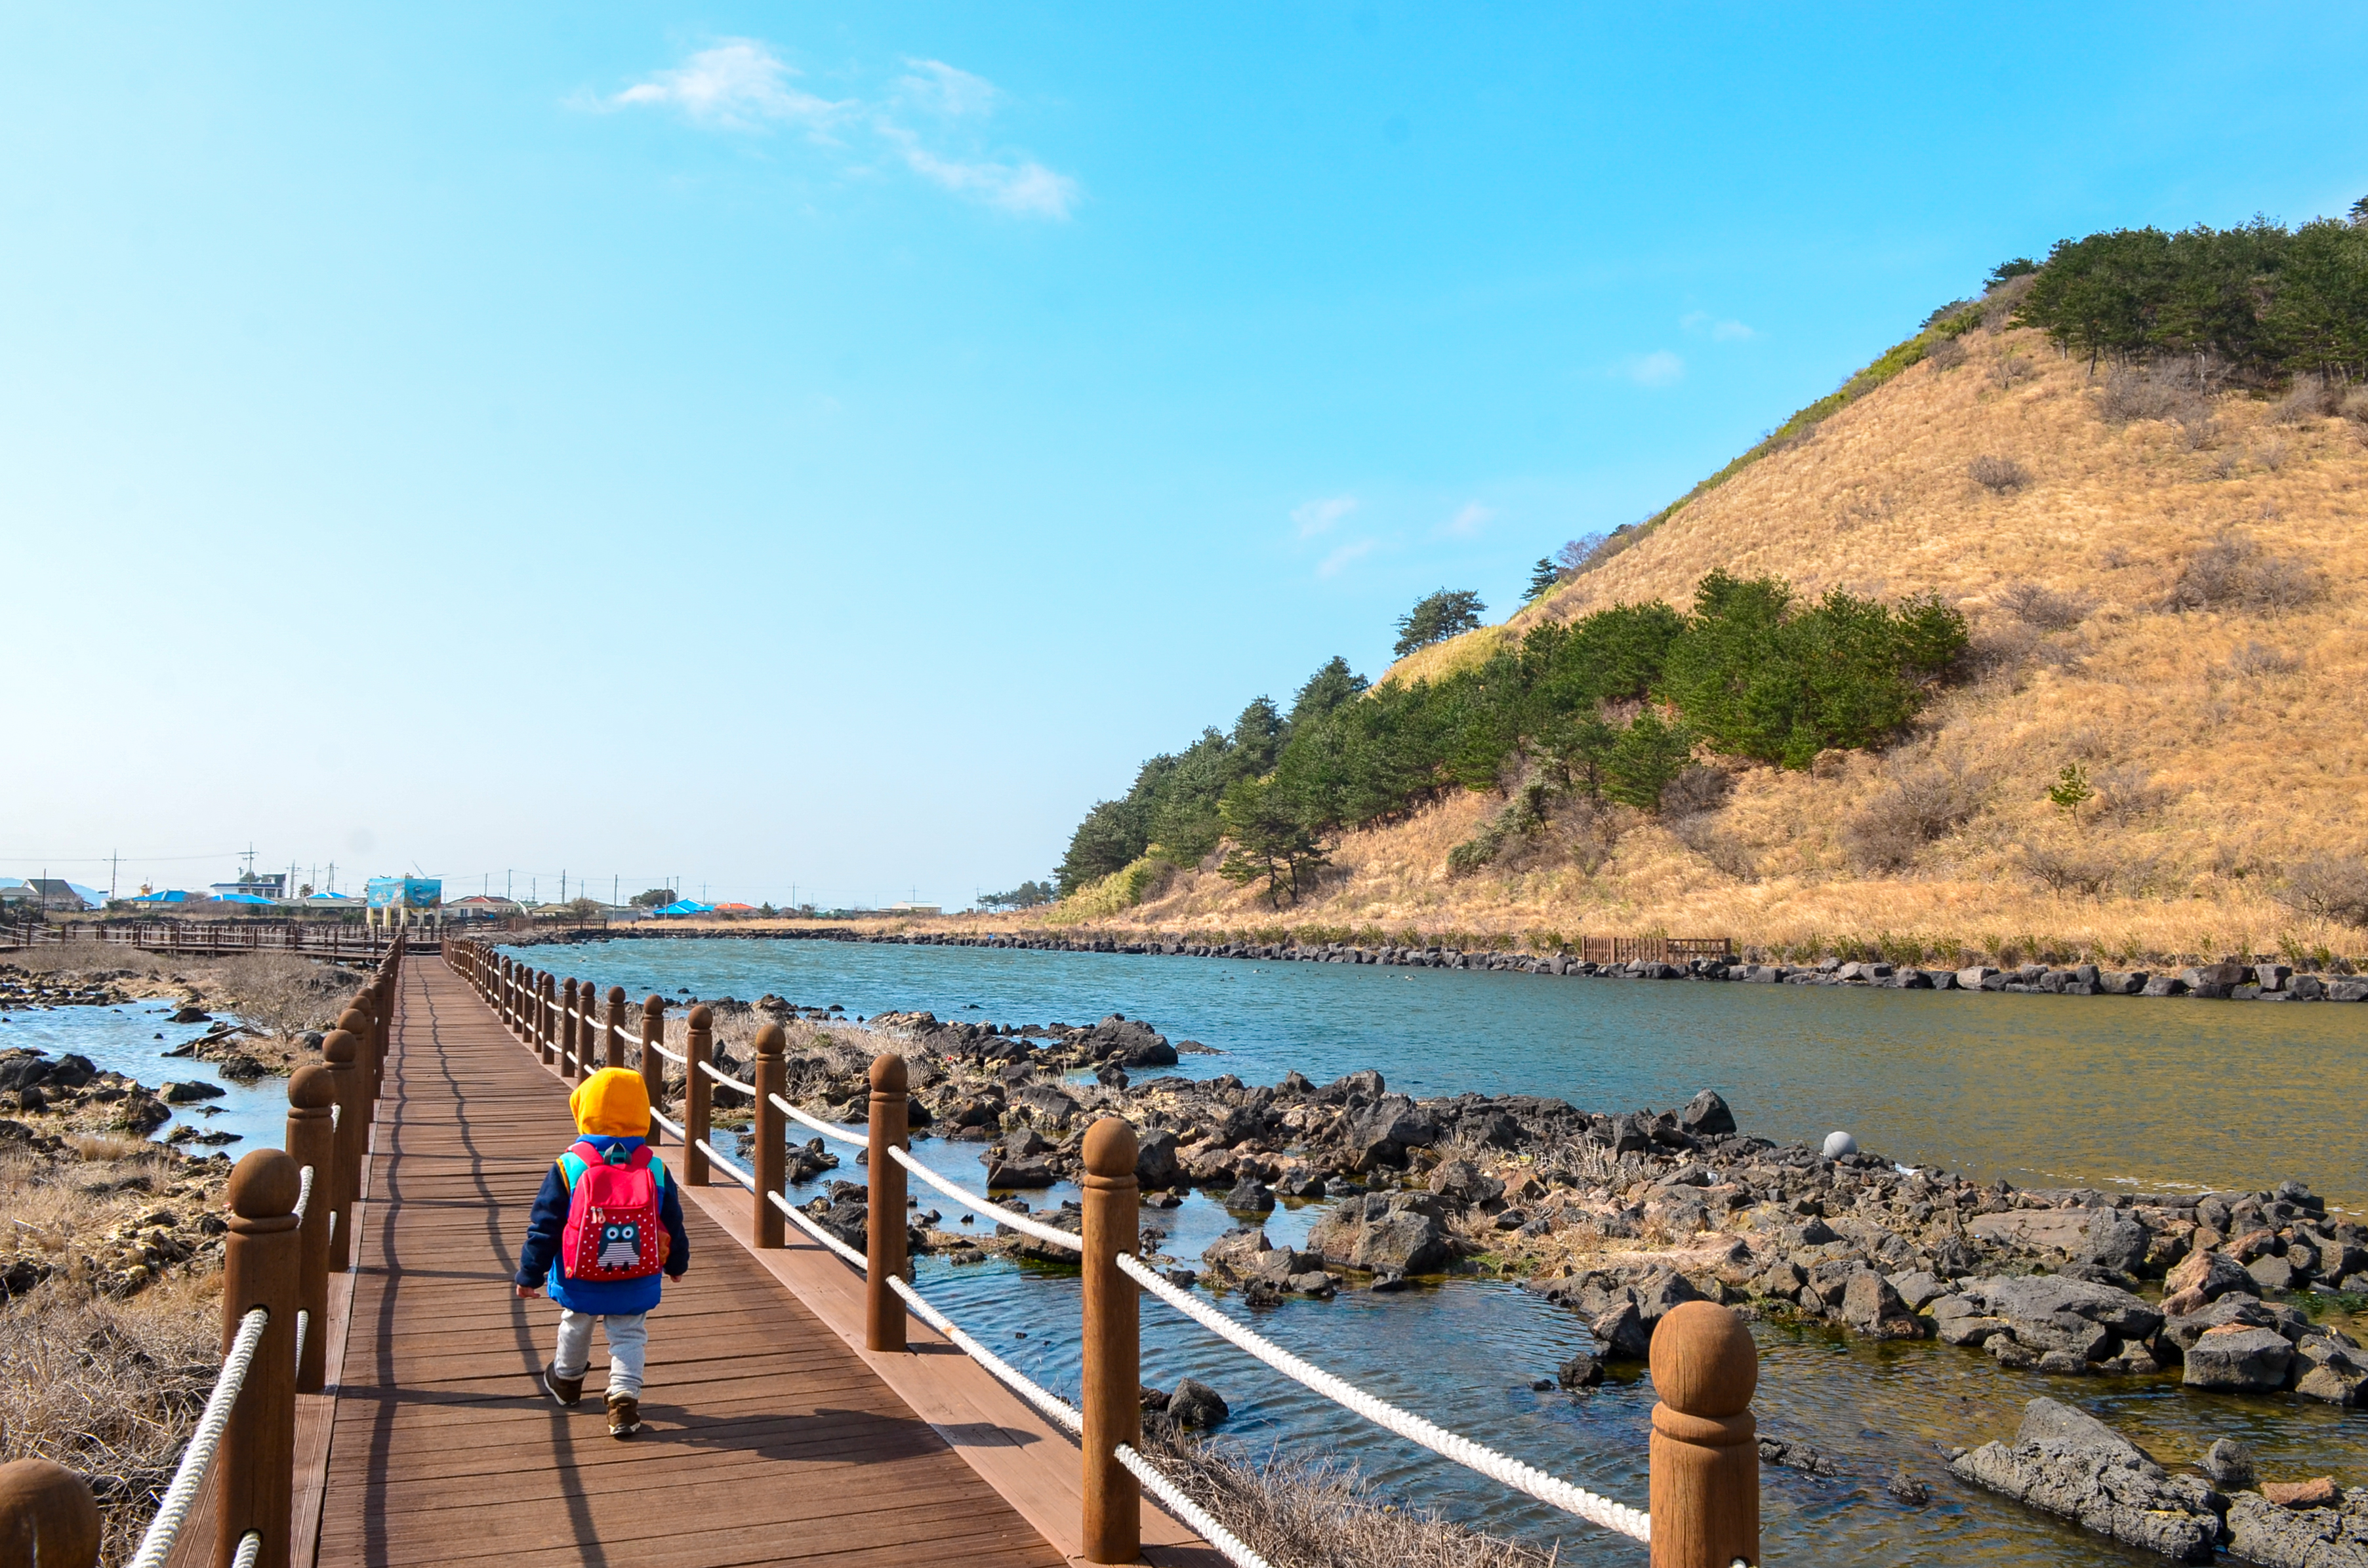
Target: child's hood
x=612, y=1102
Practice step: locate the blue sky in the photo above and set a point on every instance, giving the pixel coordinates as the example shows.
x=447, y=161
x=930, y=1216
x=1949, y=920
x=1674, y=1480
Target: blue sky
x=832, y=447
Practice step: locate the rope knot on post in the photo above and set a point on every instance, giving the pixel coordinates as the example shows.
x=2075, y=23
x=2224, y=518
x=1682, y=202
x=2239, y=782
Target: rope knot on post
x=1705, y=1456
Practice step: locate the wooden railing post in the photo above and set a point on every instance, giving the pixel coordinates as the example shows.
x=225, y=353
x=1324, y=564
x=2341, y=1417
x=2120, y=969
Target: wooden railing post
x=699, y=1045
x=1705, y=1455
x=883, y=1313
x=769, y=1154
x=261, y=1256
x=509, y=995
x=653, y=1077
x=612, y=1029
x=567, y=1029
x=47, y=1516
x=339, y=1051
x=312, y=1140
x=545, y=1021
x=1113, y=1348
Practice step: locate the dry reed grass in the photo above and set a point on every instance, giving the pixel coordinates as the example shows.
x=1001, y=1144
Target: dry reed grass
x=2199, y=642
x=1299, y=1513
x=110, y=1390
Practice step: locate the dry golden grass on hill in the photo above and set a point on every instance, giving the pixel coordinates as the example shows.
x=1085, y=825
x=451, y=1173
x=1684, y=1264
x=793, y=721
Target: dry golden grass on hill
x=2174, y=605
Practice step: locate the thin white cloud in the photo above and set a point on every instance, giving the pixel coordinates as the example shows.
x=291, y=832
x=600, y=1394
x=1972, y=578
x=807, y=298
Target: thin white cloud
x=741, y=85
x=947, y=90
x=1658, y=368
x=1027, y=187
x=1469, y=519
x=1345, y=557
x=1702, y=324
x=1315, y=516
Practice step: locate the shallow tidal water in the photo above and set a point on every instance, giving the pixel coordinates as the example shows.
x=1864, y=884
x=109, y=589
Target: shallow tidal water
x=133, y=1038
x=2047, y=1091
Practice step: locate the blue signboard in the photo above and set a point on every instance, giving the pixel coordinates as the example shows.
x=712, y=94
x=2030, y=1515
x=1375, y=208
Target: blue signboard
x=404, y=892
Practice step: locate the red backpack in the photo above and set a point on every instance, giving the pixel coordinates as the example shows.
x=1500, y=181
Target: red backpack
x=613, y=1230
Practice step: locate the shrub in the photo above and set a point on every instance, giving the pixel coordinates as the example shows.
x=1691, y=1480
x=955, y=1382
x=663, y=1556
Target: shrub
x=2355, y=405
x=2070, y=870
x=1945, y=355
x=2130, y=796
x=2329, y=887
x=1999, y=476
x=1919, y=804
x=2049, y=612
x=2235, y=572
x=2256, y=660
x=1696, y=789
x=2133, y=392
x=2309, y=398
x=2009, y=369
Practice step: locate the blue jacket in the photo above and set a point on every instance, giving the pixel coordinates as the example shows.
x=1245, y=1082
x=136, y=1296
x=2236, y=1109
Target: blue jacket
x=539, y=1260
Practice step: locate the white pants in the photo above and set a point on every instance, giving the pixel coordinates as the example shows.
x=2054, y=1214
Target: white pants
x=628, y=1335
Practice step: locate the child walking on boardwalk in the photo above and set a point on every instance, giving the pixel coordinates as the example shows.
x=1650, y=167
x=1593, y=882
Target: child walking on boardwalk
x=605, y=1224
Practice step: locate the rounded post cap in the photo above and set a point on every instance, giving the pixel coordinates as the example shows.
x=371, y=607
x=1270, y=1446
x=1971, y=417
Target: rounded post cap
x=312, y=1088
x=264, y=1185
x=1703, y=1361
x=1111, y=1147
x=354, y=1021
x=653, y=1003
x=889, y=1074
x=616, y=995
x=771, y=1040
x=55, y=1519
x=701, y=1017
x=337, y=1046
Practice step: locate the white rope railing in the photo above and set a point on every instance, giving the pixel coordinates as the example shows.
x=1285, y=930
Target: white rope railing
x=798, y=1219
x=727, y=1079
x=250, y=1547
x=1184, y=1508
x=1487, y=1462
x=995, y=1211
x=189, y=1475
x=670, y=1056
x=303, y=1190
x=1059, y=1410
x=671, y=1126
x=733, y=1171
x=829, y=1130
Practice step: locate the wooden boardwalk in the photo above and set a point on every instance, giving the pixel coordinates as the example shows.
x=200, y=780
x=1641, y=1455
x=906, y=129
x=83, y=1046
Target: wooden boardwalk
x=766, y=1437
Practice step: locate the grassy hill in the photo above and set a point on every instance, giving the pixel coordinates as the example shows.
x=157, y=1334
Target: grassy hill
x=2163, y=588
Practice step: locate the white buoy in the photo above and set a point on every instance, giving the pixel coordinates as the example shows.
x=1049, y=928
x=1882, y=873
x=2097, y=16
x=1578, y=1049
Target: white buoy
x=1840, y=1144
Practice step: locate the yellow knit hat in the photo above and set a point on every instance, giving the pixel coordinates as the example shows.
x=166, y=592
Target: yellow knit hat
x=612, y=1103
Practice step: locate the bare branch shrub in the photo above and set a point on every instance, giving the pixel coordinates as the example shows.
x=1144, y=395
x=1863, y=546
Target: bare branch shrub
x=1696, y=789
x=283, y=992
x=1998, y=475
x=2071, y=870
x=2272, y=455
x=1945, y=355
x=2009, y=369
x=2256, y=660
x=2330, y=888
x=1704, y=835
x=2309, y=398
x=2355, y=405
x=1321, y=1513
x=2131, y=392
x=2129, y=795
x=2235, y=572
x=1919, y=804
x=2049, y=612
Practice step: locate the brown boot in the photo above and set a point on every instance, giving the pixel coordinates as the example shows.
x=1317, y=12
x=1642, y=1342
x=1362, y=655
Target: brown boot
x=624, y=1415
x=568, y=1391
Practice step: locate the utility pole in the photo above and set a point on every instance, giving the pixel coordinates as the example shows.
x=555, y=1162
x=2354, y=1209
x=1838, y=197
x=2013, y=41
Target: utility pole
x=562, y=887
x=616, y=886
x=505, y=883
x=332, y=883
x=111, y=859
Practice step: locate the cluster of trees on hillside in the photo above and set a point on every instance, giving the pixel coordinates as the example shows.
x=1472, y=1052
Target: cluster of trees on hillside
x=2262, y=301
x=1613, y=706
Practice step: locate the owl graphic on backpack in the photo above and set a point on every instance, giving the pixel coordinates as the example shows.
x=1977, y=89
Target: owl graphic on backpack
x=612, y=1231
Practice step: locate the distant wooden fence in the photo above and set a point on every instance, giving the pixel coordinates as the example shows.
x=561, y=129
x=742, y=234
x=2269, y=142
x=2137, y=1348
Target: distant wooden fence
x=1654, y=949
x=203, y=938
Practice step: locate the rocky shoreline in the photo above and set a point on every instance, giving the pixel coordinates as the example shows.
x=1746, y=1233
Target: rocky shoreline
x=2261, y=981
x=1619, y=1216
